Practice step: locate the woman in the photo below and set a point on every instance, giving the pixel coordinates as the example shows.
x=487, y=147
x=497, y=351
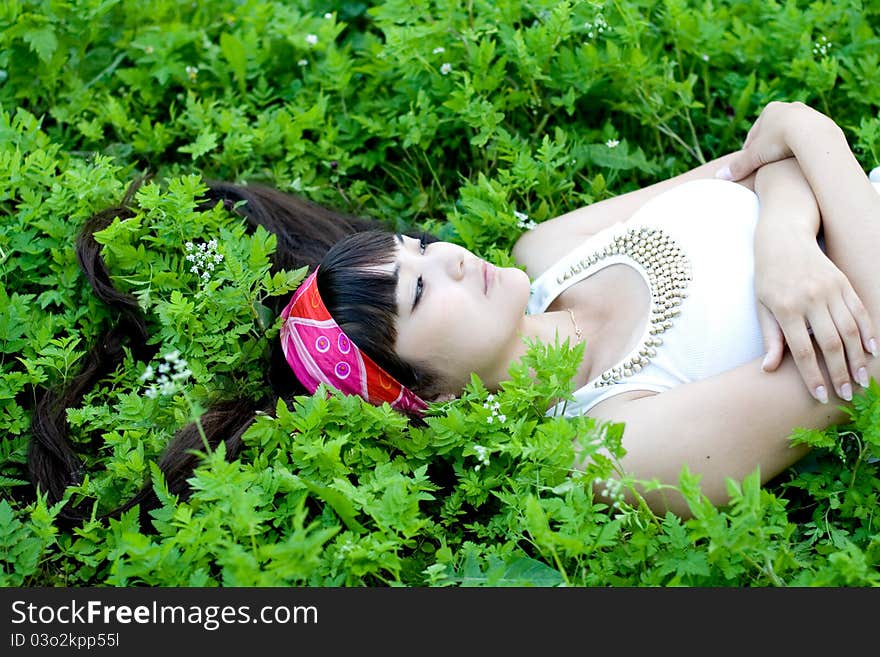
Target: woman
x=407, y=320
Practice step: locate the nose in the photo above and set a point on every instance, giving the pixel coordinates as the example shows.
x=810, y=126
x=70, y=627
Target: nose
x=456, y=267
x=449, y=261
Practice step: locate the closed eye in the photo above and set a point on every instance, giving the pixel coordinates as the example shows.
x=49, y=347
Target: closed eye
x=420, y=283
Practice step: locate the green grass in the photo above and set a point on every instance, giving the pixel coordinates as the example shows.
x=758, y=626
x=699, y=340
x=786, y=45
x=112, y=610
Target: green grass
x=449, y=116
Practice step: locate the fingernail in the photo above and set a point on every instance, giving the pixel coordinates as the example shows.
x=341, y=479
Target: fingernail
x=872, y=345
x=863, y=377
x=766, y=361
x=821, y=394
x=846, y=391
x=724, y=173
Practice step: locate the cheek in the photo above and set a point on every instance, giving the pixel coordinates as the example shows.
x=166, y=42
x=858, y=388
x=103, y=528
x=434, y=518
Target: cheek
x=457, y=321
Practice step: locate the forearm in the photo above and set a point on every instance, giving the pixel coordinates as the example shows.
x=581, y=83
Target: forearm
x=849, y=204
x=839, y=184
x=788, y=206
x=539, y=248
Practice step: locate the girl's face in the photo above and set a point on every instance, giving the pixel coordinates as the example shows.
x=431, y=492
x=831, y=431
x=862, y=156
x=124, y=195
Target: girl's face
x=457, y=314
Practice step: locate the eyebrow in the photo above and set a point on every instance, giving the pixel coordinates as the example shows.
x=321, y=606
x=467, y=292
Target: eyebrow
x=397, y=264
x=397, y=267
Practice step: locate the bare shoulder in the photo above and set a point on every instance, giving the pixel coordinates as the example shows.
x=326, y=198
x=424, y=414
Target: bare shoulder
x=538, y=249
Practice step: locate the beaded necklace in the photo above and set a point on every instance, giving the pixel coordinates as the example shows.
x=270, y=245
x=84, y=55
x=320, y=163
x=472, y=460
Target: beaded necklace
x=668, y=272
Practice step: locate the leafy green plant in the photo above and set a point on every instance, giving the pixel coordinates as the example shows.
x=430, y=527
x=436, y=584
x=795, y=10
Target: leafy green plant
x=470, y=119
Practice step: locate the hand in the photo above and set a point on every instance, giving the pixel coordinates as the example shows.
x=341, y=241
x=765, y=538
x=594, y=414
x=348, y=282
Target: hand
x=774, y=136
x=799, y=291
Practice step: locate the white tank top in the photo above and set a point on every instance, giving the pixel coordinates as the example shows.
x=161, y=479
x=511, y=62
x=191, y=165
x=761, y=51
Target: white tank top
x=712, y=223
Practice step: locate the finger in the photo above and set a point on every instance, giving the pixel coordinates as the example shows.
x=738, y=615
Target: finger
x=739, y=166
x=755, y=156
x=801, y=347
x=827, y=336
x=848, y=329
x=774, y=341
x=752, y=132
x=867, y=331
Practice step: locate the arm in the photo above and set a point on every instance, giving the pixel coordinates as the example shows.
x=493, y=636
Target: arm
x=795, y=283
x=788, y=205
x=721, y=427
x=802, y=153
x=539, y=248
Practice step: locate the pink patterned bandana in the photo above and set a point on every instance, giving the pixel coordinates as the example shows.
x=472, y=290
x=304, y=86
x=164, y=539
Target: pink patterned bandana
x=318, y=351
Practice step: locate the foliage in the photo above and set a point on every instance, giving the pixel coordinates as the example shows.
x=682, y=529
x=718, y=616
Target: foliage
x=466, y=118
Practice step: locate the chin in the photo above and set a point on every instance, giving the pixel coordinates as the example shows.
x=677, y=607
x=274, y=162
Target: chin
x=517, y=289
x=521, y=284
x=516, y=276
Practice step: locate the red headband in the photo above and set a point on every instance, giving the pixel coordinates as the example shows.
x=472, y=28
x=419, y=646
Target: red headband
x=318, y=351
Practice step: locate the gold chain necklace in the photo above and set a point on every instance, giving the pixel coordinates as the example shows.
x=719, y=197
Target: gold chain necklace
x=577, y=329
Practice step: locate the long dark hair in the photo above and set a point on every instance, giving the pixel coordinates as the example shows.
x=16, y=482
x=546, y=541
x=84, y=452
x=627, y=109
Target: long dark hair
x=361, y=300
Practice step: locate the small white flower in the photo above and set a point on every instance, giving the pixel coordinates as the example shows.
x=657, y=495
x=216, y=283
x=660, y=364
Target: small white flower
x=312, y=39
x=597, y=27
x=165, y=384
x=524, y=221
x=482, y=455
x=502, y=418
x=612, y=143
x=822, y=46
x=490, y=397
x=192, y=72
x=491, y=419
x=328, y=15
x=302, y=62
x=446, y=68
x=705, y=58
x=438, y=50
x=204, y=258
